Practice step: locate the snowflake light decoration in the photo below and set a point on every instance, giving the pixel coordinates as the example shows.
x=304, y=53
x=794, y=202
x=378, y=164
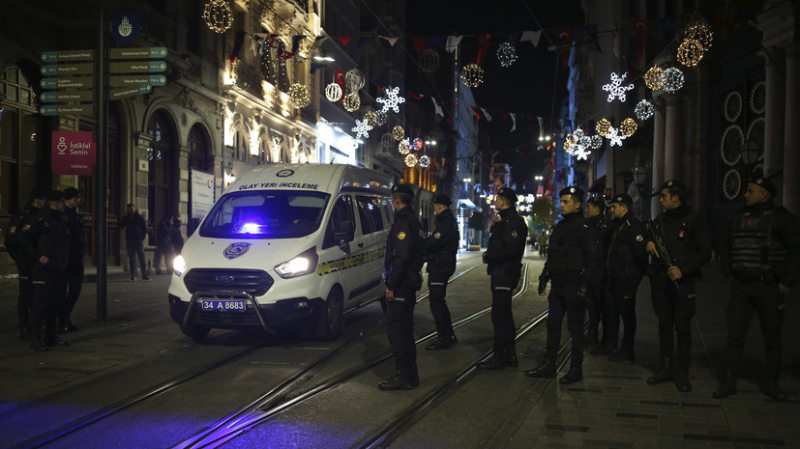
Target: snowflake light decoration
x=391, y=100
x=424, y=161
x=614, y=137
x=673, y=80
x=644, y=110
x=362, y=128
x=506, y=54
x=582, y=153
x=615, y=88
x=597, y=142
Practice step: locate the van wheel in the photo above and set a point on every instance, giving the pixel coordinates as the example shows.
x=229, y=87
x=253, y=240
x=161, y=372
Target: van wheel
x=195, y=332
x=331, y=320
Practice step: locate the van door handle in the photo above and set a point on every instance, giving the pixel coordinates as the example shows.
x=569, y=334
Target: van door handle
x=360, y=244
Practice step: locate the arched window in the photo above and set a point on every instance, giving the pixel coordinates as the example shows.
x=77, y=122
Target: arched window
x=163, y=192
x=200, y=157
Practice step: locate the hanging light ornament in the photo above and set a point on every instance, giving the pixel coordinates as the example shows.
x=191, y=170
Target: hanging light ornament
x=506, y=54
x=615, y=89
x=380, y=118
x=298, y=95
x=354, y=80
x=418, y=144
x=398, y=132
x=472, y=75
x=701, y=33
x=424, y=161
x=362, y=128
x=690, y=52
x=371, y=118
x=429, y=60
x=333, y=92
x=218, y=16
x=644, y=110
x=628, y=127
x=673, y=79
x=585, y=142
x=603, y=126
x=577, y=134
x=654, y=78
x=352, y=102
x=411, y=160
x=597, y=142
x=392, y=100
x=404, y=147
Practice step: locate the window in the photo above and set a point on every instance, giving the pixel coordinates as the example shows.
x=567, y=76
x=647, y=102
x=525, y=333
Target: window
x=341, y=226
x=369, y=211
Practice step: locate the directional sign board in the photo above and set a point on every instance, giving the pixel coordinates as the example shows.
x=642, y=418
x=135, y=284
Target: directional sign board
x=124, y=92
x=67, y=109
x=67, y=96
x=67, y=56
x=138, y=67
x=138, y=53
x=86, y=68
x=136, y=80
x=85, y=82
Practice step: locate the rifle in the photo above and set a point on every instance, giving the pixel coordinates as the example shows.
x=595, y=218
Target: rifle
x=663, y=252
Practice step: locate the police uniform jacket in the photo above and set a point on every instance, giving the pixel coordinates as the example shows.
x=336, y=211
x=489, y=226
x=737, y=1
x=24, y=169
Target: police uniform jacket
x=762, y=240
x=627, y=253
x=601, y=235
x=507, y=244
x=571, y=257
x=76, y=245
x=442, y=246
x=19, y=221
x=685, y=234
x=48, y=236
x=135, y=227
x=403, y=259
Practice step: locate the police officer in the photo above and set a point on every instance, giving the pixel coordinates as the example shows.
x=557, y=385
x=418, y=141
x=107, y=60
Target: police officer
x=164, y=245
x=441, y=248
x=625, y=264
x=176, y=236
x=683, y=234
x=760, y=255
x=22, y=221
x=135, y=233
x=570, y=262
x=504, y=258
x=47, y=243
x=402, y=265
x=74, y=272
x=595, y=299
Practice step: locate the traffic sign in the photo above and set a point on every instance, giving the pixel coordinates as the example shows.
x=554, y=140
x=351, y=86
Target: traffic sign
x=138, y=67
x=136, y=80
x=117, y=94
x=66, y=96
x=77, y=109
x=68, y=69
x=84, y=82
x=69, y=55
x=138, y=53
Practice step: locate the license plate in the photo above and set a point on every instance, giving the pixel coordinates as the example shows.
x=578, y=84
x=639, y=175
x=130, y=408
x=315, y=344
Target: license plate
x=224, y=306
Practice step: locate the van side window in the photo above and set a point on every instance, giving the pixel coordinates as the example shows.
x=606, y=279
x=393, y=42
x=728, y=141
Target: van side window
x=342, y=224
x=369, y=211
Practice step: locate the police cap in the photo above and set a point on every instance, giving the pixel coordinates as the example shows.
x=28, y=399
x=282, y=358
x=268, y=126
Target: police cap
x=55, y=195
x=37, y=194
x=571, y=190
x=507, y=193
x=623, y=198
x=444, y=200
x=597, y=201
x=403, y=188
x=70, y=193
x=766, y=184
x=674, y=184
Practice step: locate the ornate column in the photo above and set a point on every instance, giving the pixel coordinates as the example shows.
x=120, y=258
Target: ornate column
x=775, y=98
x=658, y=152
x=791, y=138
x=672, y=139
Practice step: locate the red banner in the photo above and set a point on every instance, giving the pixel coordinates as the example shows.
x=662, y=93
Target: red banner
x=340, y=82
x=73, y=153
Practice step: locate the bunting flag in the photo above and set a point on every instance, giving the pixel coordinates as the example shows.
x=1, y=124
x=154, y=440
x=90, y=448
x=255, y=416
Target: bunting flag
x=436, y=107
x=363, y=41
x=513, y=122
x=477, y=112
x=530, y=120
x=564, y=36
x=237, y=45
x=340, y=81
x=452, y=43
x=419, y=44
x=532, y=37
x=541, y=128
x=434, y=41
x=390, y=40
x=504, y=115
x=415, y=96
x=483, y=46
x=591, y=30
x=640, y=29
x=487, y=115
x=256, y=41
x=296, y=43
x=342, y=40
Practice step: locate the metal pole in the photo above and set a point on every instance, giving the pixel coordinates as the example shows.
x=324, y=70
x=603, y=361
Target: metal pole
x=101, y=182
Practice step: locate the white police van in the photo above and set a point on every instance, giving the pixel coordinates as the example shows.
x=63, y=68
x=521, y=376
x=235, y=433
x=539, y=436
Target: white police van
x=284, y=247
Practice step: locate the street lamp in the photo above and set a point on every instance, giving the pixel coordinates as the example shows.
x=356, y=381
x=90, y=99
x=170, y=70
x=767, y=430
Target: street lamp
x=639, y=175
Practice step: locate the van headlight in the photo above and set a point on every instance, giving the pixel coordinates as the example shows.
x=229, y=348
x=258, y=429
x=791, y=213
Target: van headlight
x=178, y=265
x=303, y=263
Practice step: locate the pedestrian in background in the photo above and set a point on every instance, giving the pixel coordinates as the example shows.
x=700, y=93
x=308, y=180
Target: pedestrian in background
x=22, y=221
x=46, y=242
x=402, y=274
x=74, y=271
x=441, y=248
x=503, y=256
x=626, y=263
x=164, y=245
x=760, y=255
x=570, y=263
x=176, y=236
x=135, y=233
x=595, y=299
x=684, y=235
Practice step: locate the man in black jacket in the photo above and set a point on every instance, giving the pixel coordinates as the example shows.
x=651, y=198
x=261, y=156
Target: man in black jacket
x=441, y=248
x=595, y=299
x=20, y=221
x=625, y=264
x=135, y=233
x=684, y=235
x=504, y=259
x=74, y=272
x=402, y=274
x=164, y=245
x=176, y=236
x=760, y=255
x=570, y=263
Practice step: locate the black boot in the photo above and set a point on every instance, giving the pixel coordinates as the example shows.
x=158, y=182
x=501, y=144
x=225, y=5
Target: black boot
x=442, y=341
x=682, y=378
x=37, y=342
x=397, y=382
x=546, y=369
x=497, y=361
x=772, y=390
x=664, y=374
x=728, y=385
x=575, y=374
x=52, y=341
x=622, y=355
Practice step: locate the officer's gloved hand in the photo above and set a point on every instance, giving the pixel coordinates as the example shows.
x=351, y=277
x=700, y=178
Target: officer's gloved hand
x=581, y=293
x=542, y=284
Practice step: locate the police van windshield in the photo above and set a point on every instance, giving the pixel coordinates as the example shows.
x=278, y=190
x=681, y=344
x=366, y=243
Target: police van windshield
x=265, y=214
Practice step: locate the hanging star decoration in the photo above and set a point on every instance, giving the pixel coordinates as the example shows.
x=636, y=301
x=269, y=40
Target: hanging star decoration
x=362, y=128
x=644, y=110
x=614, y=136
x=615, y=88
x=391, y=100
